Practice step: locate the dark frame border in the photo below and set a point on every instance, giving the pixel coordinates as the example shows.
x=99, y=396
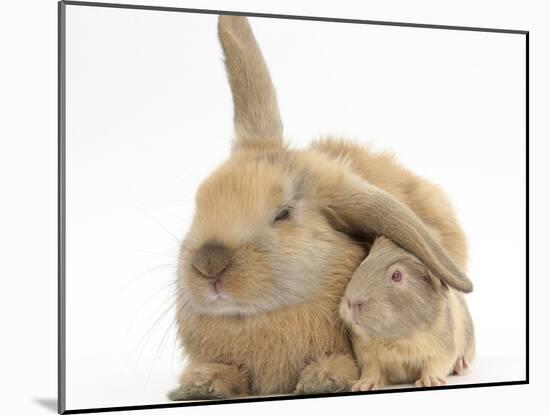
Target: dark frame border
x=61, y=119
x=61, y=136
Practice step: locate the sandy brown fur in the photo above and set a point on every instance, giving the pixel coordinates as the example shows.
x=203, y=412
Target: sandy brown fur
x=428, y=201
x=408, y=360
x=412, y=331
x=275, y=347
x=273, y=325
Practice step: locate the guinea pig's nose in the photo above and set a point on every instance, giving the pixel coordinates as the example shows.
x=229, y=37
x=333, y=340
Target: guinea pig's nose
x=355, y=307
x=211, y=259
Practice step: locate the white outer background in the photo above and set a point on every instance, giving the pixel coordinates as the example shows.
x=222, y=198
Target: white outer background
x=28, y=212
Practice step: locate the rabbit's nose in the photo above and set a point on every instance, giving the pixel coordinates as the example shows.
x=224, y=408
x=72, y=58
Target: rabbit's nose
x=212, y=259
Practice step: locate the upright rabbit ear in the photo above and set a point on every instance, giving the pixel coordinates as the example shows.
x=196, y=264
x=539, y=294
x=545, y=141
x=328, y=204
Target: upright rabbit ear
x=354, y=206
x=256, y=113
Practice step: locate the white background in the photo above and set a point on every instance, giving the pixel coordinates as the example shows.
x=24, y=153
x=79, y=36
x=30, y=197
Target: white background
x=30, y=208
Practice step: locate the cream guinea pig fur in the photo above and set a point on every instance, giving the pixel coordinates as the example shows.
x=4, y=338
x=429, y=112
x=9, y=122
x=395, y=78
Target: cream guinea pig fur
x=274, y=242
x=408, y=325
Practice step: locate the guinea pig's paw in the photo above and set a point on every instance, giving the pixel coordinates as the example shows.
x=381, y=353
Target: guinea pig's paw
x=367, y=384
x=336, y=373
x=430, y=380
x=214, y=381
x=460, y=366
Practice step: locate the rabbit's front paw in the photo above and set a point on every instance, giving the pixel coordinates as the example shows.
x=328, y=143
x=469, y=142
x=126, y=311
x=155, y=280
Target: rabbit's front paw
x=335, y=373
x=210, y=381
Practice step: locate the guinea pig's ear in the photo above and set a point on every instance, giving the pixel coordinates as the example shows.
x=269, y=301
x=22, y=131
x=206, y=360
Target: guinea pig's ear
x=437, y=284
x=256, y=113
x=356, y=207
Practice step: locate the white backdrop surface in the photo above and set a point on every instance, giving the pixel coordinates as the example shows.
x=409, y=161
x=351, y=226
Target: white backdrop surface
x=149, y=115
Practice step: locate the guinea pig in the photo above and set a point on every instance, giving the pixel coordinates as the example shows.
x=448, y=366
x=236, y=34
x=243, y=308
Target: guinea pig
x=407, y=324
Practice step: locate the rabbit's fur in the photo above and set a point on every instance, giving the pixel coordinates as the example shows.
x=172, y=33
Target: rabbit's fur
x=274, y=242
x=408, y=326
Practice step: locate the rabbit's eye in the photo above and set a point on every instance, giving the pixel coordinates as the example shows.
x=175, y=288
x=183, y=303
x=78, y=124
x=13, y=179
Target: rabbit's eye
x=282, y=215
x=396, y=276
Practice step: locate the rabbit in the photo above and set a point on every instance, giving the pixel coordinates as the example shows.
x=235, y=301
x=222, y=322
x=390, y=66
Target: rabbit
x=408, y=325
x=276, y=236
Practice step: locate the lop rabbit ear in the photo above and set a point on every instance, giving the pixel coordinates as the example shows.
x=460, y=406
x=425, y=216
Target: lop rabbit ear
x=354, y=206
x=256, y=113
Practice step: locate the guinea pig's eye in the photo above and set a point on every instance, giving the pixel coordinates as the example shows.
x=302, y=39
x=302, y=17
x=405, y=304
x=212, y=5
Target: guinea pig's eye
x=282, y=215
x=396, y=276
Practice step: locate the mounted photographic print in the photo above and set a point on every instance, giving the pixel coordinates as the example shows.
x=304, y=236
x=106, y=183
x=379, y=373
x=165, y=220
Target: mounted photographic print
x=267, y=207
